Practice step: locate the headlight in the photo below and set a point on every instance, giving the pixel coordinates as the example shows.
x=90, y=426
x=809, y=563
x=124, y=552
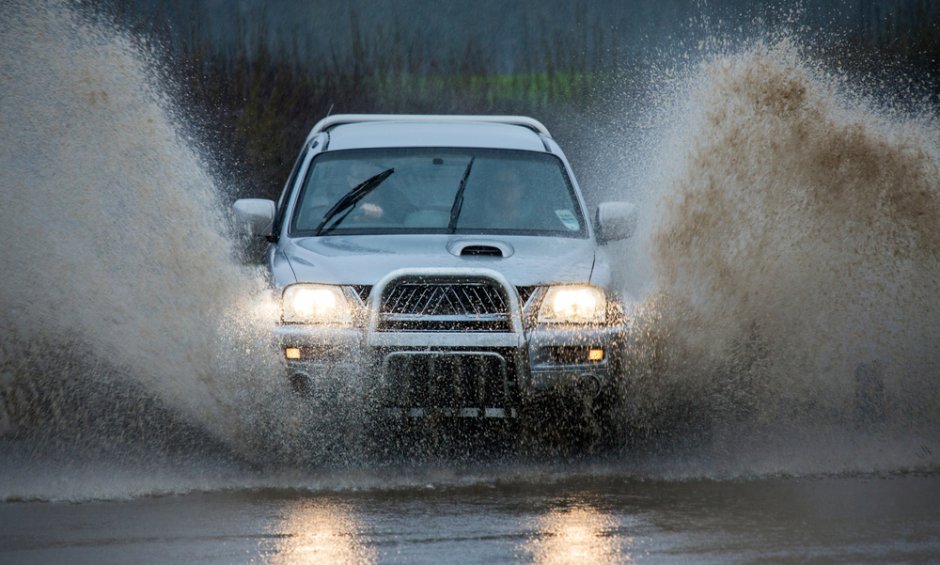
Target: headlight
x=574, y=304
x=316, y=304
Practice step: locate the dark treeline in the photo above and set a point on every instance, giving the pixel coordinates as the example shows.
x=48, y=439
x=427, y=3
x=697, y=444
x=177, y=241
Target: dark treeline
x=259, y=103
x=254, y=99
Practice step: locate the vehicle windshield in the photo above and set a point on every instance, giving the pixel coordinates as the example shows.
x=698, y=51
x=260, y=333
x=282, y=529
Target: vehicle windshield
x=436, y=190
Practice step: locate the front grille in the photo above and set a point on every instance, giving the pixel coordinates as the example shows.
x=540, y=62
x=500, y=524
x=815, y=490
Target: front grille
x=445, y=306
x=525, y=292
x=460, y=299
x=449, y=379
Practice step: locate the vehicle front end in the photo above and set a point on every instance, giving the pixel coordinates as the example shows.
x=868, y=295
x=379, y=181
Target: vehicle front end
x=441, y=265
x=454, y=341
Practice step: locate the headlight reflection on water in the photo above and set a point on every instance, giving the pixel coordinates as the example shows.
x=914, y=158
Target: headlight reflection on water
x=577, y=535
x=322, y=532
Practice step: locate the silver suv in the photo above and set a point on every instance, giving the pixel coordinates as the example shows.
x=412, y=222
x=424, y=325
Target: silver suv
x=445, y=263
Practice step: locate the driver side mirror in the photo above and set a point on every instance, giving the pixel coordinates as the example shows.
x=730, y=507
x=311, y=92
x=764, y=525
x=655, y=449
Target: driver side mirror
x=615, y=221
x=254, y=216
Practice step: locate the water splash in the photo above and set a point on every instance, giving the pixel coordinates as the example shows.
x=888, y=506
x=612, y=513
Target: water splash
x=797, y=266
x=117, y=264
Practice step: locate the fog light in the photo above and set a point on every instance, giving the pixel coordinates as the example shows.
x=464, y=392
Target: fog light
x=292, y=352
x=596, y=354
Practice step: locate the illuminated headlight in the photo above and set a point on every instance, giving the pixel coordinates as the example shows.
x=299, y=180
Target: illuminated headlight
x=316, y=304
x=575, y=304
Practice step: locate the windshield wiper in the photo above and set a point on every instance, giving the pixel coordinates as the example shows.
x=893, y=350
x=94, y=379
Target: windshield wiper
x=458, y=198
x=350, y=199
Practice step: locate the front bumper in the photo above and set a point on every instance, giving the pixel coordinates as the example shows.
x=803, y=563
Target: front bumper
x=523, y=364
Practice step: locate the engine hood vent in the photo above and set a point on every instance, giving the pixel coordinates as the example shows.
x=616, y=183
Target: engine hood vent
x=484, y=250
x=480, y=249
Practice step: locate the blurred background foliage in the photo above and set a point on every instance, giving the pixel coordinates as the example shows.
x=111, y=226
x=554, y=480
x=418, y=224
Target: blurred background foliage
x=254, y=76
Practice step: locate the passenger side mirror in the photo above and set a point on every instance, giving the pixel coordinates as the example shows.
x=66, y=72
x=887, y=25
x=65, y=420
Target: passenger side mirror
x=615, y=220
x=254, y=216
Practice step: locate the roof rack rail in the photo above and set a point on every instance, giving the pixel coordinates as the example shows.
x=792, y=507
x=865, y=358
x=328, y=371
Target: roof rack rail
x=340, y=119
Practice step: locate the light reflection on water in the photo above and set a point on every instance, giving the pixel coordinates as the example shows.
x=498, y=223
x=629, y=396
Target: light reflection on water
x=318, y=531
x=324, y=531
x=581, y=534
x=841, y=519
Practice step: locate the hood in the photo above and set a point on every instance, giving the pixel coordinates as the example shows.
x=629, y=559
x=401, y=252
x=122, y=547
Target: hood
x=364, y=259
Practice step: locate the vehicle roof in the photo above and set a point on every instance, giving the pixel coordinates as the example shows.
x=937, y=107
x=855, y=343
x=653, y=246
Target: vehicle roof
x=442, y=133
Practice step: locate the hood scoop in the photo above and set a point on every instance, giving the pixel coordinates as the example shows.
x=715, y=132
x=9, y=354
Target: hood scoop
x=480, y=249
x=484, y=250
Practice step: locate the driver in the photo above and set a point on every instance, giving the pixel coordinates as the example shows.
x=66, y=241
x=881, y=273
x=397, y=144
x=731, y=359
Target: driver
x=506, y=204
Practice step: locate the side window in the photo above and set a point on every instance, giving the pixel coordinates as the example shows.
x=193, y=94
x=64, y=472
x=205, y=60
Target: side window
x=285, y=194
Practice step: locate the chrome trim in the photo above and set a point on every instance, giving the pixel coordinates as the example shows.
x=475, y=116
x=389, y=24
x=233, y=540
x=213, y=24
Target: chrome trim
x=443, y=317
x=513, y=338
x=444, y=339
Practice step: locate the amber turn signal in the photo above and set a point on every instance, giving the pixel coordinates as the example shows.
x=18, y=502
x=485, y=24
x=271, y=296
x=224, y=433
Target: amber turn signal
x=292, y=352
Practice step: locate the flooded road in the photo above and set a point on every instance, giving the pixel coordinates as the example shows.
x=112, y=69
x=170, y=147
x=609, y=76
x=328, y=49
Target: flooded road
x=575, y=520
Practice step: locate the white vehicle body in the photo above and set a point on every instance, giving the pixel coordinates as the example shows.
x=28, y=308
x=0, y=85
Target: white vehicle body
x=432, y=316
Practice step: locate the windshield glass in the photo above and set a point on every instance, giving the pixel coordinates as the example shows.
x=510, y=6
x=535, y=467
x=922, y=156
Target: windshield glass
x=506, y=192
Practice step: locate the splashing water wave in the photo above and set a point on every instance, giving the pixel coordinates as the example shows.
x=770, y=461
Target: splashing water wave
x=116, y=266
x=795, y=305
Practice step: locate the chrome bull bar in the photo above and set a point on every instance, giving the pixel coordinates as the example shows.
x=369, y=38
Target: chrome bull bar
x=388, y=344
